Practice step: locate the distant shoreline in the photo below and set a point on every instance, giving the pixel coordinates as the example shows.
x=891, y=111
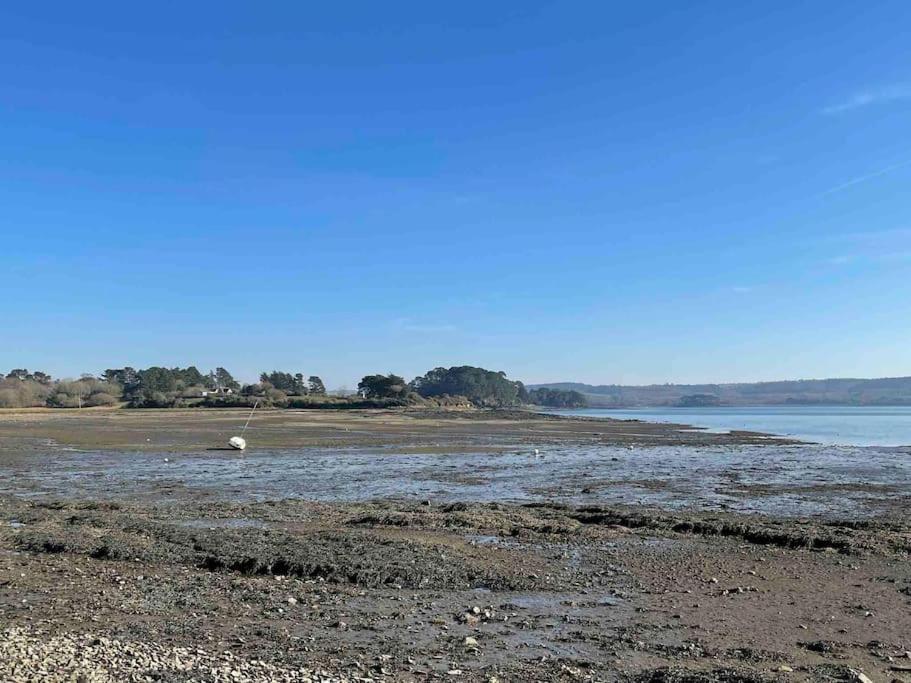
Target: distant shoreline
x=737, y=405
x=893, y=391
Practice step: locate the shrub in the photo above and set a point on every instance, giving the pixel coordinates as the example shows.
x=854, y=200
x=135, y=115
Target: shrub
x=18, y=393
x=275, y=397
x=345, y=403
x=101, y=399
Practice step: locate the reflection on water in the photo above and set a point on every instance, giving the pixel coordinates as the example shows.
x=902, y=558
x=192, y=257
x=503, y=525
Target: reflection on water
x=788, y=480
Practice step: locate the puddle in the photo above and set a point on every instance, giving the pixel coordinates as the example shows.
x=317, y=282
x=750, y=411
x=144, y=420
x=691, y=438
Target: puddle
x=490, y=540
x=546, y=603
x=610, y=601
x=482, y=539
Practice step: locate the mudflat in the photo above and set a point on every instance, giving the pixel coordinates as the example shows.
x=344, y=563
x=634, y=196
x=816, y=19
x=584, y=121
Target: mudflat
x=416, y=429
x=594, y=573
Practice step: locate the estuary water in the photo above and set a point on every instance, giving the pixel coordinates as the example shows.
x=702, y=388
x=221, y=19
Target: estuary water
x=841, y=425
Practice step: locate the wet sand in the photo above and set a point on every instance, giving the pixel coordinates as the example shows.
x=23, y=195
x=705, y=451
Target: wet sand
x=419, y=431
x=609, y=564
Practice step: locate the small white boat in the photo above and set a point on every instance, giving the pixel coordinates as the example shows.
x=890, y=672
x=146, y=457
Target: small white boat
x=237, y=442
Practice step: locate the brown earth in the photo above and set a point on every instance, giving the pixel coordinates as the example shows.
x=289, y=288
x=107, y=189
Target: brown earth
x=412, y=590
x=183, y=430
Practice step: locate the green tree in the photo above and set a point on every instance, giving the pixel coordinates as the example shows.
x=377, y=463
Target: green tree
x=482, y=387
x=557, y=398
x=127, y=377
x=24, y=375
x=252, y=389
x=157, y=380
x=283, y=381
x=316, y=386
x=383, y=386
x=224, y=380
x=190, y=376
x=521, y=393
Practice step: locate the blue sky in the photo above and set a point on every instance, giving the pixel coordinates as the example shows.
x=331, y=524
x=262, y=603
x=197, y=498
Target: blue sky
x=602, y=192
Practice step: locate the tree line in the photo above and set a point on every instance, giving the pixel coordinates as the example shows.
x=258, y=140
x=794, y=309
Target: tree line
x=161, y=387
x=23, y=389
x=557, y=398
x=480, y=387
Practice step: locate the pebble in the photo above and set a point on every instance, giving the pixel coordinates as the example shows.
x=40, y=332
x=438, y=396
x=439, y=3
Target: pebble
x=859, y=676
x=28, y=654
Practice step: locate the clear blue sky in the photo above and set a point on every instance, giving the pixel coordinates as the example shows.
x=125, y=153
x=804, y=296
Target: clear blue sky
x=596, y=191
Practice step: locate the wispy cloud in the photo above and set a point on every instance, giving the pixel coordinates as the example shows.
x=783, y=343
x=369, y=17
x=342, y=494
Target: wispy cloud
x=886, y=237
x=839, y=260
x=871, y=247
x=741, y=289
x=409, y=325
x=865, y=98
x=864, y=178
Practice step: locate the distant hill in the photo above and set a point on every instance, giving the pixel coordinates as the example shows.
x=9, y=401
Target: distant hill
x=884, y=391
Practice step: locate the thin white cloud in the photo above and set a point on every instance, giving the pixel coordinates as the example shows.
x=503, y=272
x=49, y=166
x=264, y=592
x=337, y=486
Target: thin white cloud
x=864, y=98
x=839, y=260
x=864, y=178
x=409, y=325
x=740, y=289
x=874, y=246
x=887, y=237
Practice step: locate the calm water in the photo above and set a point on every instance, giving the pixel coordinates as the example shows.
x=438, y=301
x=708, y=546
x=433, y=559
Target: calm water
x=845, y=425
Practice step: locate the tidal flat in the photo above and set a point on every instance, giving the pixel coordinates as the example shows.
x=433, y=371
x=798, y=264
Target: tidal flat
x=460, y=545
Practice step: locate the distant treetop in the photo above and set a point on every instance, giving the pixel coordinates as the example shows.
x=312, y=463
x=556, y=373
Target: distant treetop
x=482, y=387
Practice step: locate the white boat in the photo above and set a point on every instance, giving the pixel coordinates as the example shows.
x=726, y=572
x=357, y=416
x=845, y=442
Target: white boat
x=238, y=442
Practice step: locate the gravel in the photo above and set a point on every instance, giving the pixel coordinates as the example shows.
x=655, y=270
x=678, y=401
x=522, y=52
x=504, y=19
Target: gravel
x=28, y=655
